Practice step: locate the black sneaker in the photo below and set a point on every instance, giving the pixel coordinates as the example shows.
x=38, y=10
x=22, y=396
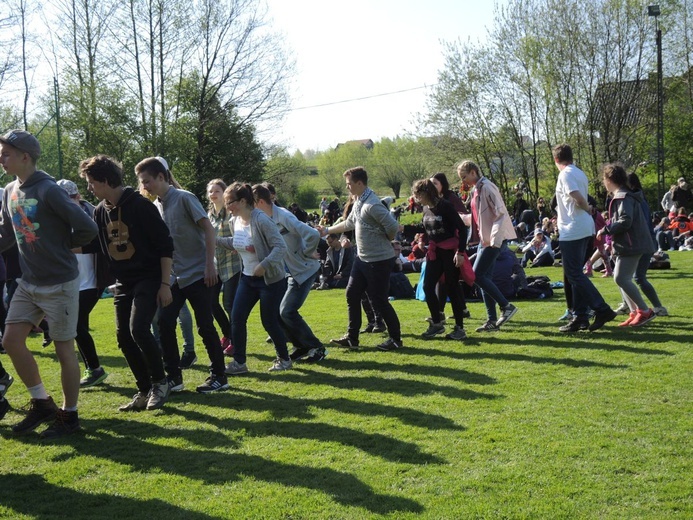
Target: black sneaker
x=4, y=407
x=600, y=318
x=390, y=344
x=369, y=328
x=187, y=360
x=213, y=384
x=175, y=383
x=46, y=342
x=489, y=326
x=379, y=327
x=466, y=314
x=299, y=353
x=315, y=355
x=65, y=423
x=345, y=341
x=93, y=377
x=40, y=411
x=575, y=325
x=5, y=382
x=506, y=313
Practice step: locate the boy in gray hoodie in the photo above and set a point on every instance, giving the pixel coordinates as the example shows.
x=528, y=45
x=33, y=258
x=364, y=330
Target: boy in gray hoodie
x=39, y=217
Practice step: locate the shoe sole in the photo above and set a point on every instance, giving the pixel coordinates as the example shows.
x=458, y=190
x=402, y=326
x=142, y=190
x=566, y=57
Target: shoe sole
x=336, y=344
x=640, y=324
x=236, y=373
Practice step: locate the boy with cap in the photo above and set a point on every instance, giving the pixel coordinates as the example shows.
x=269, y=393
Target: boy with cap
x=39, y=217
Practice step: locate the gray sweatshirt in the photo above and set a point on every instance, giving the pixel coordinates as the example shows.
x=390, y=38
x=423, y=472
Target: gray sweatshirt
x=40, y=217
x=375, y=227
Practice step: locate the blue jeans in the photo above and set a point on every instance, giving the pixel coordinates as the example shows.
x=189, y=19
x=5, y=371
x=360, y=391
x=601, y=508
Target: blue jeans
x=250, y=290
x=585, y=294
x=295, y=327
x=186, y=327
x=483, y=269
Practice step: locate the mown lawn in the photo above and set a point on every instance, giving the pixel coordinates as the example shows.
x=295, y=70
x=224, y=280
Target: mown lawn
x=526, y=423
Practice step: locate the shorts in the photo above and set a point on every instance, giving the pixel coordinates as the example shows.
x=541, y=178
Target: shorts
x=58, y=303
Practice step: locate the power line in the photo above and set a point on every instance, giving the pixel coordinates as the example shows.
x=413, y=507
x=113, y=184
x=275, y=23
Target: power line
x=361, y=98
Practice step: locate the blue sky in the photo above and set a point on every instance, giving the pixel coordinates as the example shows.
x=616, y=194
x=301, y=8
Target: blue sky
x=355, y=49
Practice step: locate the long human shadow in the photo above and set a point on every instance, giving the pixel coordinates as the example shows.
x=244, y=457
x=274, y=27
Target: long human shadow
x=427, y=370
x=592, y=341
x=32, y=496
x=282, y=407
x=106, y=440
x=375, y=444
x=501, y=356
x=389, y=385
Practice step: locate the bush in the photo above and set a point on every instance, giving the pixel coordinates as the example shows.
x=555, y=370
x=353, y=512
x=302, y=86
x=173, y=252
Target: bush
x=306, y=196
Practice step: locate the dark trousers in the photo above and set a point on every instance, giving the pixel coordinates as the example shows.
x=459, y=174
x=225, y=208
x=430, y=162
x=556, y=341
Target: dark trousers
x=444, y=264
x=372, y=278
x=135, y=305
x=200, y=298
x=85, y=343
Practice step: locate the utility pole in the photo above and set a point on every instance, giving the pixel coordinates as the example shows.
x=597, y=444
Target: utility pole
x=653, y=10
x=57, y=127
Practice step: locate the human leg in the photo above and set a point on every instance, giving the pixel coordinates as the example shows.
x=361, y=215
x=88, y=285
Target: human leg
x=483, y=269
x=85, y=343
x=623, y=276
x=219, y=312
x=296, y=330
x=200, y=298
x=645, y=285
x=246, y=298
x=270, y=301
x=168, y=317
x=354, y=291
x=186, y=328
x=378, y=287
x=141, y=315
x=434, y=270
x=452, y=275
x=585, y=294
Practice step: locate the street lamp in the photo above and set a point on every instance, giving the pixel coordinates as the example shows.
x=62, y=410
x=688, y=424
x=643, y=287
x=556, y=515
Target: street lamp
x=653, y=10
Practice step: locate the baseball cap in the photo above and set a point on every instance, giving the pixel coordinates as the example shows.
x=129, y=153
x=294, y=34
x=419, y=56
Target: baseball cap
x=24, y=141
x=69, y=186
x=162, y=161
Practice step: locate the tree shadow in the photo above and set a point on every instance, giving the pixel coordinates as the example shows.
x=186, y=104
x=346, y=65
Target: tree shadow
x=55, y=501
x=216, y=467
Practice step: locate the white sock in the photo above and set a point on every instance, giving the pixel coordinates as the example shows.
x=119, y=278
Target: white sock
x=38, y=392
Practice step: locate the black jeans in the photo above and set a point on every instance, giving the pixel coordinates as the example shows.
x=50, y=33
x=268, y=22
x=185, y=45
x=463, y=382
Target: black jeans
x=444, y=264
x=200, y=298
x=85, y=343
x=372, y=278
x=135, y=306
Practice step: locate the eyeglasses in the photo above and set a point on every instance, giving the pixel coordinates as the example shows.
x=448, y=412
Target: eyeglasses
x=229, y=201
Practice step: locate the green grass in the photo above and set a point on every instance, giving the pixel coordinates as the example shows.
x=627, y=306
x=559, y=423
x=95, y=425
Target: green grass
x=525, y=423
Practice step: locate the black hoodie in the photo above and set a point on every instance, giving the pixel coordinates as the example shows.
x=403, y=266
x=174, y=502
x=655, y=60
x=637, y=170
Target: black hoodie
x=133, y=236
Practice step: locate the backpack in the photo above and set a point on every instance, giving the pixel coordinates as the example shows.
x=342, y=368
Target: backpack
x=538, y=287
x=400, y=286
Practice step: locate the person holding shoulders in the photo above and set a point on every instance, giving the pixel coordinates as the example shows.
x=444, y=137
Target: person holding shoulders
x=575, y=231
x=139, y=249
x=490, y=218
x=262, y=250
x=194, y=246
x=302, y=263
x=374, y=228
x=39, y=217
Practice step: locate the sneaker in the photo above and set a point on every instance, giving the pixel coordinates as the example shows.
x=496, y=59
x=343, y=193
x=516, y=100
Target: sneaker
x=630, y=319
x=575, y=325
x=139, y=402
x=269, y=340
x=607, y=275
x=489, y=326
x=643, y=317
x=661, y=311
x=93, y=377
x=466, y=314
x=622, y=309
x=433, y=330
x=379, y=327
x=315, y=355
x=280, y=364
x=442, y=319
x=457, y=333
x=390, y=344
x=46, y=342
x=368, y=328
x=175, y=383
x=213, y=383
x=567, y=315
x=5, y=382
x=299, y=353
x=187, y=359
x=158, y=395
x=65, y=423
x=4, y=407
x=345, y=341
x=508, y=312
x=228, y=351
x=235, y=368
x=40, y=411
x=601, y=318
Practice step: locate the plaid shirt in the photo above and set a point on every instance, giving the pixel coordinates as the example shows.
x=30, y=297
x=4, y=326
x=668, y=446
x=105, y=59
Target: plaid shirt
x=227, y=261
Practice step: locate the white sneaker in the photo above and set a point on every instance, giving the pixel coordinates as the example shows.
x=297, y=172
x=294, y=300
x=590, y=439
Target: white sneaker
x=280, y=364
x=622, y=309
x=235, y=368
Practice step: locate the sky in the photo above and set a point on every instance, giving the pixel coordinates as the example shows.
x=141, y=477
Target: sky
x=359, y=49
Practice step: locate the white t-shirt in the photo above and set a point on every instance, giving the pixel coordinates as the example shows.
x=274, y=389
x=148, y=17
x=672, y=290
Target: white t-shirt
x=87, y=271
x=574, y=222
x=242, y=239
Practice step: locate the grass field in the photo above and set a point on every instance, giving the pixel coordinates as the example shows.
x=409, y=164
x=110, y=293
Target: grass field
x=525, y=423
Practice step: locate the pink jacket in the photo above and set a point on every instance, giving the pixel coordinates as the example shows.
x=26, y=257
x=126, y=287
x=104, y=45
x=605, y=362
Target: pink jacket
x=494, y=222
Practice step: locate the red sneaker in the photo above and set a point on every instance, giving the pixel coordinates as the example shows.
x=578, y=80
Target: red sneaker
x=643, y=317
x=629, y=321
x=227, y=346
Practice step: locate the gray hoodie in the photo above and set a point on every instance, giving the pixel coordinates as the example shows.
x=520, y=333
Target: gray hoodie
x=627, y=226
x=39, y=216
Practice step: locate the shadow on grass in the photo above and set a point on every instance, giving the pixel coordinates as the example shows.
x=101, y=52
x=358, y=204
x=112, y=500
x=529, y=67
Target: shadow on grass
x=216, y=468
x=17, y=491
x=592, y=341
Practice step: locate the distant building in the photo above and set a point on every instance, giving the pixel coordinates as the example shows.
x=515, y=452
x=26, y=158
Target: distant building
x=366, y=143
